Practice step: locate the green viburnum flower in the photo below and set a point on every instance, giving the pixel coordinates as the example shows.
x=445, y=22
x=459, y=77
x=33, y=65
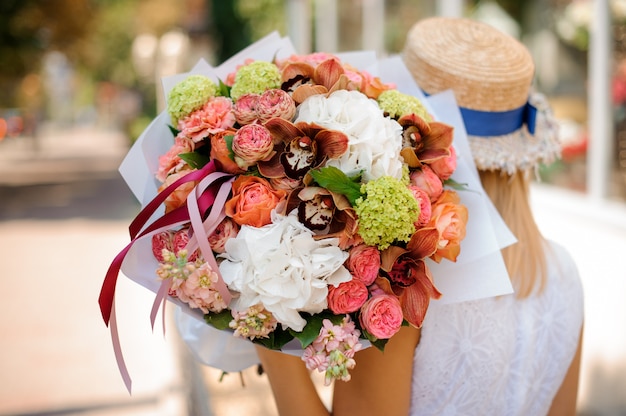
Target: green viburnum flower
x=255, y=78
x=189, y=95
x=397, y=104
x=386, y=212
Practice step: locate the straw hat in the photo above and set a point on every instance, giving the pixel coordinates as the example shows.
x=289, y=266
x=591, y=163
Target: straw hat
x=491, y=73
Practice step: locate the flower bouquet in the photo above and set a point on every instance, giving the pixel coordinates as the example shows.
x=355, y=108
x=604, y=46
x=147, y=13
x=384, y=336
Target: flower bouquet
x=295, y=198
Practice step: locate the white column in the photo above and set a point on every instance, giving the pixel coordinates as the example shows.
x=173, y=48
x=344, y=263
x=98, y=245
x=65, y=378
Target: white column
x=450, y=8
x=599, y=102
x=326, y=32
x=299, y=22
x=373, y=21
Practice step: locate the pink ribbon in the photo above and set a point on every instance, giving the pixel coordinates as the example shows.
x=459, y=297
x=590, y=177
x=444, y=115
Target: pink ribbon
x=202, y=197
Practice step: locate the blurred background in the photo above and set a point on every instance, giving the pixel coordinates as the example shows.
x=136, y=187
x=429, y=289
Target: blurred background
x=80, y=80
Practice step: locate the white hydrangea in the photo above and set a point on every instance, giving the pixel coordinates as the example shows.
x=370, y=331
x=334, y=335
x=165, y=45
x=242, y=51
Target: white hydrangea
x=283, y=267
x=374, y=140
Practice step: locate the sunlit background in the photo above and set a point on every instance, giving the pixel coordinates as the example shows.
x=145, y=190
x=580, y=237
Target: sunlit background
x=80, y=80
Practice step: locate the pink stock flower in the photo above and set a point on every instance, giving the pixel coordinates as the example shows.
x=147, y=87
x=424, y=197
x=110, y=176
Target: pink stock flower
x=315, y=360
x=198, y=290
x=214, y=116
x=225, y=230
x=427, y=180
x=364, y=263
x=381, y=316
x=252, y=143
x=246, y=108
x=445, y=167
x=255, y=322
x=425, y=206
x=171, y=162
x=275, y=103
x=348, y=297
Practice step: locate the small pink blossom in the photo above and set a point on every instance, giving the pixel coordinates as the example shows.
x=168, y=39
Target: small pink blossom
x=382, y=316
x=255, y=322
x=428, y=180
x=425, y=206
x=215, y=116
x=252, y=143
x=364, y=263
x=445, y=166
x=224, y=231
x=198, y=290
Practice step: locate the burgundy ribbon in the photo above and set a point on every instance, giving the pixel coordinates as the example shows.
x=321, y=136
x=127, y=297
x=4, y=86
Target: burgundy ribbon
x=203, y=196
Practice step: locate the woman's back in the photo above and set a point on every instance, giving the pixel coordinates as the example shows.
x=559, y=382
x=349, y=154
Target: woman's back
x=500, y=356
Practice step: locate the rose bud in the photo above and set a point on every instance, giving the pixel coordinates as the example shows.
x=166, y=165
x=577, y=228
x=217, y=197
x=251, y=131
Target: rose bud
x=427, y=180
x=275, y=103
x=252, y=143
x=246, y=109
x=444, y=167
x=425, y=206
x=225, y=230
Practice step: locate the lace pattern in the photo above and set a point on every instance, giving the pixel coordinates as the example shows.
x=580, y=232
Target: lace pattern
x=500, y=356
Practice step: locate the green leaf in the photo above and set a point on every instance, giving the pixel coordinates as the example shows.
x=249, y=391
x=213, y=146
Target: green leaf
x=195, y=160
x=276, y=340
x=376, y=342
x=224, y=90
x=335, y=180
x=173, y=130
x=229, y=145
x=456, y=185
x=219, y=320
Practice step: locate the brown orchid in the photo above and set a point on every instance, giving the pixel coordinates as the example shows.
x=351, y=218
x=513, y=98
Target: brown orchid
x=408, y=276
x=304, y=80
x=300, y=147
x=424, y=142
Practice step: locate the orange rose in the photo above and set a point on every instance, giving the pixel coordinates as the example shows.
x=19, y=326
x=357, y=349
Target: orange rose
x=177, y=198
x=449, y=217
x=253, y=201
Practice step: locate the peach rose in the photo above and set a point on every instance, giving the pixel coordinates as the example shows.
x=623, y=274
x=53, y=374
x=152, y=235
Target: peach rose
x=253, y=201
x=427, y=179
x=364, y=263
x=381, y=316
x=225, y=230
x=177, y=198
x=347, y=297
x=221, y=153
x=171, y=162
x=252, y=143
x=445, y=167
x=449, y=216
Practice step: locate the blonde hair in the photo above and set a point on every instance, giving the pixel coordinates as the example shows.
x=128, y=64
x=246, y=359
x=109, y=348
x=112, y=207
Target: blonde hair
x=525, y=260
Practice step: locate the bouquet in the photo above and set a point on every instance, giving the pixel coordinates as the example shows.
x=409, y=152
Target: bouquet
x=297, y=198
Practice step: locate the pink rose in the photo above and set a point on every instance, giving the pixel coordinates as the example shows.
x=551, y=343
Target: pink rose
x=423, y=199
x=445, y=166
x=381, y=316
x=364, y=263
x=347, y=297
x=252, y=143
x=161, y=241
x=245, y=108
x=253, y=201
x=214, y=116
x=225, y=230
x=180, y=241
x=170, y=162
x=428, y=180
x=275, y=103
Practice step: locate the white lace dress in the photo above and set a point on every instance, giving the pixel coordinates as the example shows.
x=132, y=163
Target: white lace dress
x=500, y=356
